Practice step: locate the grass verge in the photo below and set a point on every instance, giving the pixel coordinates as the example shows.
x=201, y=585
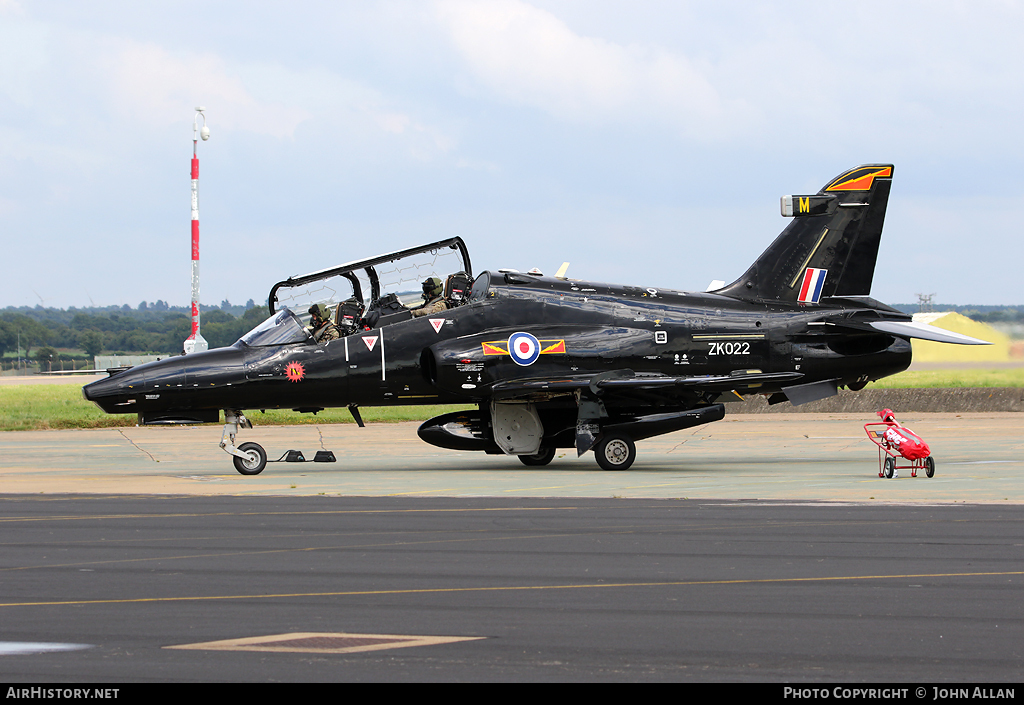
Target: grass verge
x=53, y=406
x=931, y=379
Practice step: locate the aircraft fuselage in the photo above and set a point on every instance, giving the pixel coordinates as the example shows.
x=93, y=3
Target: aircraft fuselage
x=457, y=356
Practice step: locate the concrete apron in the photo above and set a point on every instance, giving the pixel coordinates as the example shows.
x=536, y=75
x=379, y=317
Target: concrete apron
x=979, y=459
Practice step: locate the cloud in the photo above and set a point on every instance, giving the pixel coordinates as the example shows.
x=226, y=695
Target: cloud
x=528, y=56
x=159, y=87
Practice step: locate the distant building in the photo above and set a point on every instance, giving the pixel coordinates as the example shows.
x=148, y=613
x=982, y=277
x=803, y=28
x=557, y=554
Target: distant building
x=927, y=351
x=105, y=362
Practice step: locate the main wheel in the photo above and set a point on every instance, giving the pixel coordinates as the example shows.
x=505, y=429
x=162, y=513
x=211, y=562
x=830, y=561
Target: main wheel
x=929, y=466
x=543, y=457
x=890, y=466
x=254, y=463
x=615, y=452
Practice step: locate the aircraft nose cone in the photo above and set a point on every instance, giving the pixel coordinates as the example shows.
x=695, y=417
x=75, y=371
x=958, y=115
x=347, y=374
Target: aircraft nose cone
x=98, y=389
x=124, y=392
x=111, y=394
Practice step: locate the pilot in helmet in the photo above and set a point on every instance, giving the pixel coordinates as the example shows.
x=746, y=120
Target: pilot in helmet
x=320, y=326
x=433, y=301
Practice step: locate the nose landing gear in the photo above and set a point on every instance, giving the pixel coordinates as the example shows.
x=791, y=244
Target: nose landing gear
x=255, y=460
x=249, y=458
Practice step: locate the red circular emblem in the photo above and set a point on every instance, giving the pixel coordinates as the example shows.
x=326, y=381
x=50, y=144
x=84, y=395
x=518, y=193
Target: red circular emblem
x=295, y=371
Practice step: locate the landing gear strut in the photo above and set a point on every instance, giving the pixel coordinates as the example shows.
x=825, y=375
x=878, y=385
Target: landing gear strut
x=249, y=458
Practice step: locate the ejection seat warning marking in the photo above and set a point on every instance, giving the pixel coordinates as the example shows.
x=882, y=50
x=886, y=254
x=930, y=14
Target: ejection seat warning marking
x=437, y=323
x=371, y=341
x=324, y=642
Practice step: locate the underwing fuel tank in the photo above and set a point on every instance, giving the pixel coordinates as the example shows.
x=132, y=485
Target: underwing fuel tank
x=472, y=430
x=187, y=386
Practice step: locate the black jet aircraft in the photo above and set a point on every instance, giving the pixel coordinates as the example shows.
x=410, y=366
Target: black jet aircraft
x=553, y=362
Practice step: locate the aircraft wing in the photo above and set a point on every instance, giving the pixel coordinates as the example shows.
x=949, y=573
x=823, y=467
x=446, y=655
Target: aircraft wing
x=626, y=380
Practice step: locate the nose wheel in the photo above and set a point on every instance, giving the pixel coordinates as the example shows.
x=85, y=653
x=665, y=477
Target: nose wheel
x=254, y=460
x=249, y=458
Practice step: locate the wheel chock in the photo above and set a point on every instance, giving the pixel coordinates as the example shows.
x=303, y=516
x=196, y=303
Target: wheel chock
x=296, y=456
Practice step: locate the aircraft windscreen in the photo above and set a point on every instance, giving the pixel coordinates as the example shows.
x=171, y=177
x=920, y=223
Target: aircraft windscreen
x=280, y=329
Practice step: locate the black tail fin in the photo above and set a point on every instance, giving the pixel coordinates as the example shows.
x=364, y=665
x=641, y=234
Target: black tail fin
x=830, y=247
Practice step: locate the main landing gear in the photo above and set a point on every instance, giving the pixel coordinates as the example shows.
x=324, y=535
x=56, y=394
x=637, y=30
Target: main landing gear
x=542, y=457
x=615, y=452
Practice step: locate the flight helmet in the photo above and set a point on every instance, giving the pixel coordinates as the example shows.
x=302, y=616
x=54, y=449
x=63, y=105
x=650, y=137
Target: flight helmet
x=432, y=288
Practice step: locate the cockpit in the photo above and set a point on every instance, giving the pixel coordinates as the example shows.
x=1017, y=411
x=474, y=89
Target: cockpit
x=367, y=294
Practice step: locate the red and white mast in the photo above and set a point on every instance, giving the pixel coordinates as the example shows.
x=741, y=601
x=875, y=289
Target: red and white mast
x=195, y=342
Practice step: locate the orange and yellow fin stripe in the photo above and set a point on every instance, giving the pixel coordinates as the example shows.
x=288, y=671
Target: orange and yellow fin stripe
x=860, y=179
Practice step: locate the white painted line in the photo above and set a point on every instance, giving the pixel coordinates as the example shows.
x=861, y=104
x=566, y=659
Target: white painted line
x=15, y=648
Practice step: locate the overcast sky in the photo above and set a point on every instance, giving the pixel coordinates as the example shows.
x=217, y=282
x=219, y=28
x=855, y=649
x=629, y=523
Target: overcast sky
x=645, y=142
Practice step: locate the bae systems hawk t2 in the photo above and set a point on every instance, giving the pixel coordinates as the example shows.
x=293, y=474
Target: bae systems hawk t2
x=553, y=362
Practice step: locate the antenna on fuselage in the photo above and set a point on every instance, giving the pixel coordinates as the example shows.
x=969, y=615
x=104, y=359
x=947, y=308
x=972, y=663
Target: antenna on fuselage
x=560, y=274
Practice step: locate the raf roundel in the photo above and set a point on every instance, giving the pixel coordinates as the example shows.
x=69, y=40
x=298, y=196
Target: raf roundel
x=524, y=348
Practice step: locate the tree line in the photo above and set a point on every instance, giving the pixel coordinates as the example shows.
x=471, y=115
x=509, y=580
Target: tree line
x=158, y=328
x=147, y=329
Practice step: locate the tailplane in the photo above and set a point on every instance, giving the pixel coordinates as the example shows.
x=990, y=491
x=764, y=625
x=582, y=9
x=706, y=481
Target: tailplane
x=831, y=246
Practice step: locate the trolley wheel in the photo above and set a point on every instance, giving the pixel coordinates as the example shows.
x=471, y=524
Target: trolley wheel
x=929, y=466
x=543, y=457
x=254, y=464
x=615, y=452
x=889, y=468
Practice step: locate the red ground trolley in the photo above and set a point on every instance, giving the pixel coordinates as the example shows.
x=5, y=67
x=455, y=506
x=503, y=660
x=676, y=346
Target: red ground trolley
x=897, y=441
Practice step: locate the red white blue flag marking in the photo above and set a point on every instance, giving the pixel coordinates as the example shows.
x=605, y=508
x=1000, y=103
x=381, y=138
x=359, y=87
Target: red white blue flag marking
x=810, y=290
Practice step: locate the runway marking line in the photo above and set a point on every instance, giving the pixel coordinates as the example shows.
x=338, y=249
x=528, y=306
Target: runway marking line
x=245, y=514
x=506, y=588
x=323, y=642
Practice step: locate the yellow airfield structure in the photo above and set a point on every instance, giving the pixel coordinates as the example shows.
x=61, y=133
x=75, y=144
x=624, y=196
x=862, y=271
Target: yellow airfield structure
x=928, y=351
